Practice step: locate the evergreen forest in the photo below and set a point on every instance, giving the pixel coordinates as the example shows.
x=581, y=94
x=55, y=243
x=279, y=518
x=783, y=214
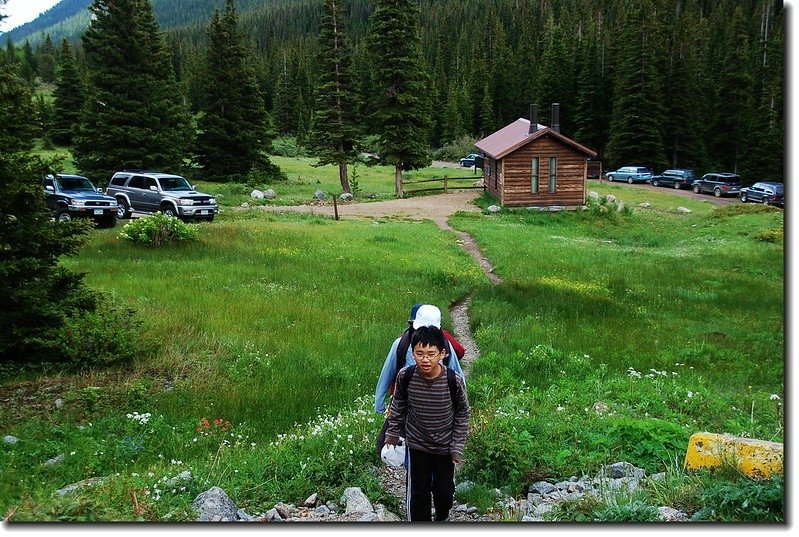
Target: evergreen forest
x=661, y=83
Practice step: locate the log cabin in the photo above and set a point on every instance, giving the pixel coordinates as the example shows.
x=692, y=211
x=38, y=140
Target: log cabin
x=528, y=164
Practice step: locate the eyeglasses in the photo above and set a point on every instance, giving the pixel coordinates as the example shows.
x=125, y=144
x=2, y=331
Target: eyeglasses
x=430, y=356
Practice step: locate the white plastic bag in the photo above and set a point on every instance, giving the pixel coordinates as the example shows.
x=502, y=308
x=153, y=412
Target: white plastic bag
x=393, y=455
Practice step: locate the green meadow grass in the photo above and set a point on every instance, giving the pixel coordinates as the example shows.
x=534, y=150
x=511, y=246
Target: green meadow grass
x=612, y=337
x=375, y=183
x=671, y=323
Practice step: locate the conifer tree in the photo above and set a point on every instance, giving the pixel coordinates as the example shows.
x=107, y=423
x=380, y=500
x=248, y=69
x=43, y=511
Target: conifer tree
x=233, y=126
x=47, y=60
x=734, y=107
x=335, y=128
x=402, y=113
x=36, y=292
x=589, y=114
x=135, y=115
x=68, y=97
x=636, y=126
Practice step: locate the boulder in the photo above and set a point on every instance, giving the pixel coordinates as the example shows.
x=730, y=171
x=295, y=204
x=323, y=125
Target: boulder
x=311, y=500
x=272, y=516
x=493, y=208
x=245, y=205
x=610, y=198
x=345, y=196
x=215, y=505
x=59, y=403
x=542, y=487
x=283, y=509
x=357, y=502
x=58, y=459
x=319, y=195
x=8, y=439
x=645, y=205
x=257, y=195
x=270, y=194
x=593, y=195
x=683, y=210
x=322, y=510
x=669, y=514
x=69, y=489
x=384, y=515
x=623, y=469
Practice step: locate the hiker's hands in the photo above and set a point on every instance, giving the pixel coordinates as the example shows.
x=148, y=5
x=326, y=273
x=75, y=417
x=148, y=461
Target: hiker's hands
x=457, y=459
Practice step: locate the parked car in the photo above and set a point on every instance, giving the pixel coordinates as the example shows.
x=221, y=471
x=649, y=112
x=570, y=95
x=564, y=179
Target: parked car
x=150, y=191
x=765, y=193
x=469, y=160
x=74, y=196
x=718, y=184
x=676, y=178
x=631, y=174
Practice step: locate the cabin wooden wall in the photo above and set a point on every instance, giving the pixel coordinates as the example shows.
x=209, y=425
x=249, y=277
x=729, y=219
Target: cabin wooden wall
x=517, y=175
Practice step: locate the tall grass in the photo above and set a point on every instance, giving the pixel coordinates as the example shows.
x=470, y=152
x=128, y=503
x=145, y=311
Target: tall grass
x=673, y=322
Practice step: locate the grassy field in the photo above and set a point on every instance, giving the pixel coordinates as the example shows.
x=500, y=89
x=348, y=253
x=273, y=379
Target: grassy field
x=272, y=329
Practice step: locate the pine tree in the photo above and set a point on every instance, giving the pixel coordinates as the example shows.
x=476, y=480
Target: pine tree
x=135, y=115
x=47, y=60
x=233, y=125
x=735, y=105
x=285, y=106
x=335, y=128
x=402, y=113
x=636, y=126
x=36, y=292
x=68, y=97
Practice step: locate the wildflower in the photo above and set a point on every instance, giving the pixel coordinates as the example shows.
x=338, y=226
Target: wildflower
x=560, y=408
x=72, y=453
x=774, y=397
x=690, y=394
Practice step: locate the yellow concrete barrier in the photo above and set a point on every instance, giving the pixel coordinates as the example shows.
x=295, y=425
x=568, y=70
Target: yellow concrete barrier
x=755, y=458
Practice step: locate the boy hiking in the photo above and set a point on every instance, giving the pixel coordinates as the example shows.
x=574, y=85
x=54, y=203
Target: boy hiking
x=399, y=355
x=430, y=404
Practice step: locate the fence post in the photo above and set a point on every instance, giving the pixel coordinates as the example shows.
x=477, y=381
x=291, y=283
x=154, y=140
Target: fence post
x=445, y=184
x=335, y=207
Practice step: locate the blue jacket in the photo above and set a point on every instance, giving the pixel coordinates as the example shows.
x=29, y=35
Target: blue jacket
x=389, y=372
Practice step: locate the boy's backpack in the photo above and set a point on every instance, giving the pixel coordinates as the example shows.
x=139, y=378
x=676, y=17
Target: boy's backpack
x=402, y=352
x=406, y=380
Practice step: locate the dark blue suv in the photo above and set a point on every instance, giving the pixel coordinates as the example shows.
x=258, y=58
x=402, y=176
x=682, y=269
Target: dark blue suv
x=74, y=196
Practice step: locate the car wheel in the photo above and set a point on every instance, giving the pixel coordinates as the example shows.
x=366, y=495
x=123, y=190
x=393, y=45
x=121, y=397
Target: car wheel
x=676, y=185
x=63, y=216
x=630, y=180
x=610, y=178
x=123, y=209
x=766, y=201
x=696, y=189
x=744, y=199
x=170, y=210
x=655, y=183
x=717, y=192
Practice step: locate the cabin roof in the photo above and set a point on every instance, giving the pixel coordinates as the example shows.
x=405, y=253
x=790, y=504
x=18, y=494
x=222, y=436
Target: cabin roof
x=515, y=135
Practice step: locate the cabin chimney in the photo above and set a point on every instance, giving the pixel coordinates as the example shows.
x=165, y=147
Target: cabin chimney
x=533, y=119
x=555, y=120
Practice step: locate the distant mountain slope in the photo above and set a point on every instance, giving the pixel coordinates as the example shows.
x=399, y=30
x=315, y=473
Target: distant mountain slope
x=56, y=19
x=70, y=18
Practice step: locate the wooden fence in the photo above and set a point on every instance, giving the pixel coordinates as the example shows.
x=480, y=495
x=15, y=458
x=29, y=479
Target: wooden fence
x=446, y=184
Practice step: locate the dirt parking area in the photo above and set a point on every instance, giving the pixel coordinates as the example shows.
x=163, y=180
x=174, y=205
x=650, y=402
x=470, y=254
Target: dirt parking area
x=685, y=193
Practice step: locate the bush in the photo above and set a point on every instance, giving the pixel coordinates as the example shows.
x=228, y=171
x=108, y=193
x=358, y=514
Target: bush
x=108, y=335
x=157, y=229
x=288, y=147
x=771, y=235
x=455, y=150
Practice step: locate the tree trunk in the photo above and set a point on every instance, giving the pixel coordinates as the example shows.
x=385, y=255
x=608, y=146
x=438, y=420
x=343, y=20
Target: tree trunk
x=398, y=180
x=342, y=176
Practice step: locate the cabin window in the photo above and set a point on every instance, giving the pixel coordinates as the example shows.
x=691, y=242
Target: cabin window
x=534, y=179
x=553, y=174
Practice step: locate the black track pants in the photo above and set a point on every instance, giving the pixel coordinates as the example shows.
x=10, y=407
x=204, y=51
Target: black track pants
x=430, y=473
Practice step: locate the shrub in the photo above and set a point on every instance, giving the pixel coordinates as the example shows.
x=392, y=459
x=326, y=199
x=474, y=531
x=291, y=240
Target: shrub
x=288, y=147
x=742, y=499
x=108, y=335
x=770, y=235
x=455, y=149
x=157, y=229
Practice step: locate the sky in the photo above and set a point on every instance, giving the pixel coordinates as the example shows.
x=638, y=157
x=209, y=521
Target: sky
x=22, y=11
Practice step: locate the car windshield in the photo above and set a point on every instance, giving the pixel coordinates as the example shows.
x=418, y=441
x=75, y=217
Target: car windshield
x=174, y=183
x=74, y=183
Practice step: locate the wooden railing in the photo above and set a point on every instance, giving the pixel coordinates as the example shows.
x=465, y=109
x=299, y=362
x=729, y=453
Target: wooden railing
x=446, y=184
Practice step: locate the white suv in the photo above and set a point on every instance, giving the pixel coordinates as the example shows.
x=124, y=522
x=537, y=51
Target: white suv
x=147, y=191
